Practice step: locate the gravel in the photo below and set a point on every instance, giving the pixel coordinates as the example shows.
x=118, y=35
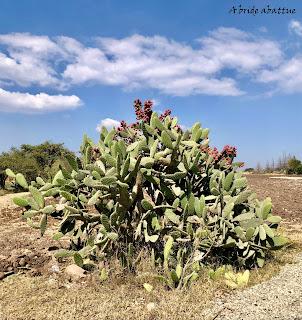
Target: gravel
x=287, y=178
x=279, y=298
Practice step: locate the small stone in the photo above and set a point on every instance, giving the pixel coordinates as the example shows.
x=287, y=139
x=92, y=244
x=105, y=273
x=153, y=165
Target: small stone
x=2, y=275
x=31, y=256
x=150, y=306
x=75, y=271
x=22, y=262
x=54, y=268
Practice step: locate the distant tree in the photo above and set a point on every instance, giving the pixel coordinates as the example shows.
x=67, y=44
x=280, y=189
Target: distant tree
x=267, y=167
x=46, y=154
x=258, y=167
x=282, y=162
x=293, y=166
x=32, y=161
x=273, y=165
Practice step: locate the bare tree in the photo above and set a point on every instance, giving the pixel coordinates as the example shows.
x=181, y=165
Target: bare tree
x=273, y=165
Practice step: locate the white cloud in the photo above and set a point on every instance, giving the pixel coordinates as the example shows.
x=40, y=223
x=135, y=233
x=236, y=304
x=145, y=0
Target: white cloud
x=295, y=27
x=156, y=102
x=156, y=62
x=152, y=62
x=108, y=123
x=23, y=41
x=175, y=68
x=36, y=103
x=30, y=60
x=287, y=77
x=215, y=65
x=233, y=49
x=25, y=71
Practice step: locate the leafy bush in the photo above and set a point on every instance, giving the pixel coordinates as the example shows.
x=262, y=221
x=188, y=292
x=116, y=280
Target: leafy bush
x=299, y=169
x=32, y=161
x=153, y=187
x=294, y=166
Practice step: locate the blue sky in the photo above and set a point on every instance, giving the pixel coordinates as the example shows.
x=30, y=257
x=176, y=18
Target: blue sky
x=67, y=65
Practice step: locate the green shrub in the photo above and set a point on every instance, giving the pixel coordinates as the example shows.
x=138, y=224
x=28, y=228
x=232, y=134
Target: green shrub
x=299, y=169
x=152, y=186
x=293, y=165
x=32, y=161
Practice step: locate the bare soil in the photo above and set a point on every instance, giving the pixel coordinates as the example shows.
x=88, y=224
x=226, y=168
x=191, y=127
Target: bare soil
x=22, y=248
x=286, y=195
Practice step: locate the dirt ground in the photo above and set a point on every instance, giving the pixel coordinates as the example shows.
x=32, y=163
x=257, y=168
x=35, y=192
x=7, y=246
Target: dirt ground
x=286, y=195
x=22, y=248
x=24, y=254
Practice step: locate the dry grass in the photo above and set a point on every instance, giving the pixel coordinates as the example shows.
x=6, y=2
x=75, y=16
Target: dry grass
x=41, y=298
x=25, y=298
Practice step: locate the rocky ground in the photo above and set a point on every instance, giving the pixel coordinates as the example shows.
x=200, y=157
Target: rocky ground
x=22, y=249
x=279, y=298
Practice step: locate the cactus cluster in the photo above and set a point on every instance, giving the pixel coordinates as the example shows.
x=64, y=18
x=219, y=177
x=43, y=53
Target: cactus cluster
x=153, y=186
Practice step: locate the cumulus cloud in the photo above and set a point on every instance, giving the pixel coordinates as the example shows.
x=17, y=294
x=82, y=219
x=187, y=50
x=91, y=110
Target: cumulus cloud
x=230, y=48
x=108, y=123
x=36, y=103
x=287, y=76
x=28, y=60
x=155, y=62
x=295, y=27
x=215, y=64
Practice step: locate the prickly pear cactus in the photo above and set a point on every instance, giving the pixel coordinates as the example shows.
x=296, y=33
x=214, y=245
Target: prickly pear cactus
x=152, y=185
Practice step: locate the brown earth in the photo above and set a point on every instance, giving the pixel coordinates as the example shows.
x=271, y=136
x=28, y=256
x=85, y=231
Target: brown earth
x=286, y=195
x=22, y=248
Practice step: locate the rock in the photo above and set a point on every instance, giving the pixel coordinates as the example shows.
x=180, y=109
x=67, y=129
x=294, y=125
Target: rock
x=54, y=268
x=2, y=275
x=150, y=306
x=75, y=271
x=31, y=256
x=22, y=262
